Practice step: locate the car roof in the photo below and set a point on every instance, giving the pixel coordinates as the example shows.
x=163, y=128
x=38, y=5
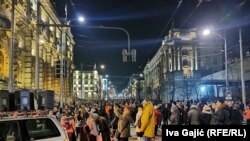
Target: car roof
x=7, y=116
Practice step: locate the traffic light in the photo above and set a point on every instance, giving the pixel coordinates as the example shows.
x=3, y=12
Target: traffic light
x=133, y=55
x=124, y=55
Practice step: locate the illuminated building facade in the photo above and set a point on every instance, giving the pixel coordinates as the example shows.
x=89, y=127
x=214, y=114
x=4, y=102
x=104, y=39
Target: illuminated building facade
x=180, y=62
x=87, y=85
x=50, y=42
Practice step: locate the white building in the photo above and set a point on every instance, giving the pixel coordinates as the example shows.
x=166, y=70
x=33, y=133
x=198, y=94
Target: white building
x=87, y=84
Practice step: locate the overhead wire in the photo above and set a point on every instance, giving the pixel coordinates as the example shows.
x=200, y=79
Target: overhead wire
x=166, y=26
x=191, y=14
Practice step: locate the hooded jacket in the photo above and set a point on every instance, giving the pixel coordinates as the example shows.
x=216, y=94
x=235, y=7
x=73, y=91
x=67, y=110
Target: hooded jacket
x=147, y=120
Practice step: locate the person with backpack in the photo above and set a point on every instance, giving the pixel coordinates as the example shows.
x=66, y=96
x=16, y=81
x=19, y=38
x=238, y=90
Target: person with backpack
x=68, y=124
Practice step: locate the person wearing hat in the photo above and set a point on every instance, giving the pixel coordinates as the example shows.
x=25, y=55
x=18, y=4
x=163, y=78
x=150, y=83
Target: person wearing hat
x=221, y=115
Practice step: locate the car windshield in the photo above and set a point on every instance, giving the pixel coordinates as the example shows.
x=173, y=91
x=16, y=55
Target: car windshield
x=41, y=128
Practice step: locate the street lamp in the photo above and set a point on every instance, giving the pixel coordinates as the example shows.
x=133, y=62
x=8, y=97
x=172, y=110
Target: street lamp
x=207, y=32
x=81, y=19
x=102, y=67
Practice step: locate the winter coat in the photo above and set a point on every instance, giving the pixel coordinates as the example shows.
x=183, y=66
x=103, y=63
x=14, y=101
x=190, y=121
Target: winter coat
x=147, y=120
x=138, y=117
x=157, y=115
x=193, y=116
x=68, y=124
x=206, y=115
x=103, y=125
x=175, y=116
x=221, y=116
x=235, y=117
x=247, y=114
x=123, y=122
x=92, y=126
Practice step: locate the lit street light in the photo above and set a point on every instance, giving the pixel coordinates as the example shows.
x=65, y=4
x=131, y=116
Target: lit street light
x=102, y=67
x=207, y=32
x=81, y=19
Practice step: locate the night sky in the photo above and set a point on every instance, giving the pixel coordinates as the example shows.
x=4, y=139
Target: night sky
x=147, y=21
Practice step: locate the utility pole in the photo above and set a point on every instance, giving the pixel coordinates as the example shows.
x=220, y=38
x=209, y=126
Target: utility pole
x=63, y=49
x=242, y=71
x=11, y=79
x=37, y=55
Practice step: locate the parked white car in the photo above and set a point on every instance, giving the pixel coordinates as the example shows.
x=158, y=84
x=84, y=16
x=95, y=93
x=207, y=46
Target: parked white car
x=41, y=128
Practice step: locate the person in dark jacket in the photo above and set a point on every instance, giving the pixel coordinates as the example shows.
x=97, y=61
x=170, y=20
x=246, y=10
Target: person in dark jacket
x=221, y=115
x=103, y=128
x=235, y=116
x=206, y=114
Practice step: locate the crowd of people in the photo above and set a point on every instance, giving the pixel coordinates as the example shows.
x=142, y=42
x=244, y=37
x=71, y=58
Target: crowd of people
x=112, y=120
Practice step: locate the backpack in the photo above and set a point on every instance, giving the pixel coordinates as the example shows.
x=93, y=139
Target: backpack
x=67, y=124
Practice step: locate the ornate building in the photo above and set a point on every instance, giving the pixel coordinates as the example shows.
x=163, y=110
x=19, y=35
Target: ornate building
x=179, y=63
x=50, y=42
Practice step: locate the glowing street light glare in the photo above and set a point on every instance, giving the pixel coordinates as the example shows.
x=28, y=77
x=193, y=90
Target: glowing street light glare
x=81, y=19
x=102, y=66
x=206, y=32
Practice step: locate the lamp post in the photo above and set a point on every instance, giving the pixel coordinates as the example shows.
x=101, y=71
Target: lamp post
x=207, y=32
x=243, y=87
x=10, y=82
